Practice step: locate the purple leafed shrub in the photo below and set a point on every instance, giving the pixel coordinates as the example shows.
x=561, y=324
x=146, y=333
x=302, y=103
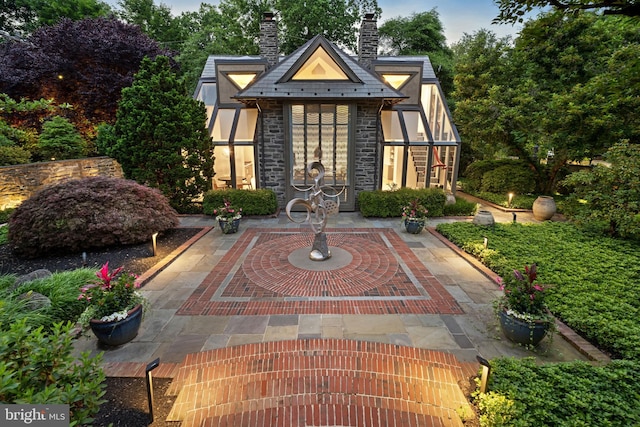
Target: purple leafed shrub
x=86, y=214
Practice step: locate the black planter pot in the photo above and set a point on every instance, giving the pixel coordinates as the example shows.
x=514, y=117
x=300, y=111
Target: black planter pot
x=229, y=227
x=522, y=332
x=414, y=226
x=118, y=332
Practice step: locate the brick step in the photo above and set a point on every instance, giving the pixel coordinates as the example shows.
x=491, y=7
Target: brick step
x=325, y=415
x=303, y=379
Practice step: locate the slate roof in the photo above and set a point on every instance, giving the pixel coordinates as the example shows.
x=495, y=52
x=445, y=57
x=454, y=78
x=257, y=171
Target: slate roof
x=369, y=87
x=427, y=69
x=209, y=70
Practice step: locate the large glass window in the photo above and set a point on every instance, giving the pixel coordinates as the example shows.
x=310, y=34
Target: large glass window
x=233, y=132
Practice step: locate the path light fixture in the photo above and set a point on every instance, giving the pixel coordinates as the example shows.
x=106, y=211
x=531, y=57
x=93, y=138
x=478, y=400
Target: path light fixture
x=486, y=243
x=486, y=371
x=514, y=217
x=154, y=240
x=510, y=199
x=150, y=367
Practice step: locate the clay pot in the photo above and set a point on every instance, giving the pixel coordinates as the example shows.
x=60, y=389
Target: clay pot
x=484, y=218
x=543, y=208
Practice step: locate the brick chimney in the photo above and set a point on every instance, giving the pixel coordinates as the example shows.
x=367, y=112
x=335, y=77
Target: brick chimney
x=269, y=39
x=368, y=41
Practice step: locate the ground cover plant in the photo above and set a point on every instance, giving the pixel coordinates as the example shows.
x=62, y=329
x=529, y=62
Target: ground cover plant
x=523, y=393
x=596, y=279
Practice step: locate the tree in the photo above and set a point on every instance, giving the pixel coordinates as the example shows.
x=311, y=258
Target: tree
x=420, y=34
x=537, y=98
x=612, y=191
x=513, y=11
x=155, y=21
x=161, y=140
x=60, y=140
x=81, y=63
x=27, y=15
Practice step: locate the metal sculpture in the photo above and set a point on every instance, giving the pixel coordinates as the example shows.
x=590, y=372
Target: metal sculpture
x=318, y=209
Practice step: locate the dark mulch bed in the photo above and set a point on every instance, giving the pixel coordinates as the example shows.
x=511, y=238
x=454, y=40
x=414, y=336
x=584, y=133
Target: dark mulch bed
x=127, y=404
x=135, y=258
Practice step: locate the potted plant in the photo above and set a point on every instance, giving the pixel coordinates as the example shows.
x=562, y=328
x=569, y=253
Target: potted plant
x=414, y=216
x=524, y=317
x=114, y=306
x=228, y=217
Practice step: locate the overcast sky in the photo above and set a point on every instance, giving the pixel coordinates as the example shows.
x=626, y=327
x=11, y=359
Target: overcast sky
x=457, y=16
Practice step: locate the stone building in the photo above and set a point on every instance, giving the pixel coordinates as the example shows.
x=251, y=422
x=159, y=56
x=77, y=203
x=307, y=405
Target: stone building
x=374, y=122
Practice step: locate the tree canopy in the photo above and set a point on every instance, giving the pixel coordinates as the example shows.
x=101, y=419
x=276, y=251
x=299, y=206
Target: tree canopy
x=82, y=63
x=24, y=16
x=566, y=88
x=419, y=34
x=512, y=11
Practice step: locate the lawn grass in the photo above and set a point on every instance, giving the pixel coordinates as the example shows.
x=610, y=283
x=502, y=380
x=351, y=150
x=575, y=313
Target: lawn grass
x=596, y=279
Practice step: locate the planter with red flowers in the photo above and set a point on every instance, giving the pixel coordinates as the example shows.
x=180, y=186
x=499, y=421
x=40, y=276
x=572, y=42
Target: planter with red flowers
x=114, y=306
x=523, y=314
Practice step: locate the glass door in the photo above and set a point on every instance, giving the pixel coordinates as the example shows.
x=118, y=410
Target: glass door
x=321, y=133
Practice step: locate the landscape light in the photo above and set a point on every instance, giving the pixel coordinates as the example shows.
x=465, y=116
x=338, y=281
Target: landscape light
x=486, y=371
x=154, y=238
x=150, y=367
x=510, y=198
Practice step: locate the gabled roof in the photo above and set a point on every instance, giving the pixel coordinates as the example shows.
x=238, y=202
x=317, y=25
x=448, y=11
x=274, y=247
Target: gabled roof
x=278, y=82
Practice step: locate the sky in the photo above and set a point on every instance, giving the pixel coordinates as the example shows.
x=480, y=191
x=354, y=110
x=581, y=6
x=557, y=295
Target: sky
x=457, y=16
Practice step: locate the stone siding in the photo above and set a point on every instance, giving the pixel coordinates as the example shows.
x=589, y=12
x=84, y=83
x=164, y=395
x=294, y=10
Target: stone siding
x=366, y=161
x=19, y=182
x=275, y=171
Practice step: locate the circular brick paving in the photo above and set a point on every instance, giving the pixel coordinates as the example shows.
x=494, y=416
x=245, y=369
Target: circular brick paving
x=268, y=265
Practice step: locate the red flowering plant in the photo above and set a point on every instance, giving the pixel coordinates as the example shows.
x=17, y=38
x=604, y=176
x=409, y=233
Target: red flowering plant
x=228, y=212
x=523, y=297
x=414, y=211
x=111, y=296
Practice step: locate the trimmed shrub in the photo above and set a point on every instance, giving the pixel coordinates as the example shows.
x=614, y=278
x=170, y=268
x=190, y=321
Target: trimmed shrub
x=475, y=172
x=388, y=204
x=509, y=179
x=13, y=156
x=252, y=202
x=87, y=214
x=39, y=368
x=462, y=207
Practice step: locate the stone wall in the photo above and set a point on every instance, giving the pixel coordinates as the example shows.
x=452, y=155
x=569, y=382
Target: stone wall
x=19, y=182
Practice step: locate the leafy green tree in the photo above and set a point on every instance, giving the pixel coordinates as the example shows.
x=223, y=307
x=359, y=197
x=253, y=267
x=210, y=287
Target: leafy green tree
x=232, y=28
x=335, y=19
x=28, y=15
x=420, y=34
x=512, y=11
x=612, y=192
x=60, y=140
x=536, y=98
x=155, y=21
x=161, y=140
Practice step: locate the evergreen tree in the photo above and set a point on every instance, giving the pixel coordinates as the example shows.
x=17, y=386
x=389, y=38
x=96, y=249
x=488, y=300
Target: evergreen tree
x=60, y=140
x=160, y=137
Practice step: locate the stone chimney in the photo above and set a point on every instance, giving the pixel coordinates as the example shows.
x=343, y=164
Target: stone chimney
x=368, y=41
x=269, y=39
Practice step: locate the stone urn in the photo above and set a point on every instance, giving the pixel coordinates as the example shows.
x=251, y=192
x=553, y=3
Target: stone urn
x=120, y=331
x=484, y=218
x=543, y=208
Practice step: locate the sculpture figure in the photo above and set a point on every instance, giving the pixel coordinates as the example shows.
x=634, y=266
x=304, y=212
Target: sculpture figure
x=318, y=209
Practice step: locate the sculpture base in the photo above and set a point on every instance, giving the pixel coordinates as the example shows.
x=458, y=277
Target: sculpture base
x=320, y=249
